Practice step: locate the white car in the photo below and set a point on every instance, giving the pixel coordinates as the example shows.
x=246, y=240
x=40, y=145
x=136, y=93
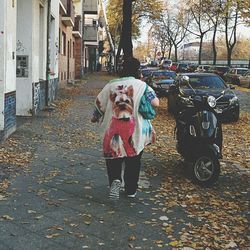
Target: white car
x=203, y=68
x=166, y=64
x=244, y=80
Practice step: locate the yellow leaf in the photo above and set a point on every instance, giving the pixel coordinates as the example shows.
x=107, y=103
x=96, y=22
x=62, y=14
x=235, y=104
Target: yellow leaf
x=174, y=243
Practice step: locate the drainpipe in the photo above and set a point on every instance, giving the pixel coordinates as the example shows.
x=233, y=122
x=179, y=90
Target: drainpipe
x=48, y=55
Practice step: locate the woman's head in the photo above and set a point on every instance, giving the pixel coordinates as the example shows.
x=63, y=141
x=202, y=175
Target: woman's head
x=131, y=67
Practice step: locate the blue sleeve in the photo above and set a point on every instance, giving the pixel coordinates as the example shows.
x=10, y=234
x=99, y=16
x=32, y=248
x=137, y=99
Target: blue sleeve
x=150, y=95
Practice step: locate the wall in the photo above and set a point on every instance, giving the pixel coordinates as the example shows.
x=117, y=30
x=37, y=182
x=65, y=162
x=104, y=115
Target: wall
x=31, y=42
x=2, y=64
x=63, y=59
x=24, y=45
x=7, y=68
x=54, y=46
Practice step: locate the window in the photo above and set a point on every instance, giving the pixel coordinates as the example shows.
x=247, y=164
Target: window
x=22, y=66
x=73, y=49
x=63, y=51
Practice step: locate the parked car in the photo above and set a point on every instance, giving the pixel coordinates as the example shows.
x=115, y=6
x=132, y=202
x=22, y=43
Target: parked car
x=205, y=84
x=182, y=68
x=219, y=70
x=143, y=65
x=232, y=76
x=166, y=64
x=173, y=66
x=244, y=80
x=154, y=63
x=160, y=81
x=145, y=73
x=203, y=68
x=192, y=67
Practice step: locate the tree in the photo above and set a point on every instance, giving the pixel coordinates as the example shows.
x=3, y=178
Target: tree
x=201, y=24
x=231, y=18
x=215, y=16
x=159, y=33
x=128, y=15
x=177, y=28
x=245, y=11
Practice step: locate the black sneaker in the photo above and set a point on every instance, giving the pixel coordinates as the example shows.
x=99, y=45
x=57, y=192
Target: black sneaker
x=114, y=191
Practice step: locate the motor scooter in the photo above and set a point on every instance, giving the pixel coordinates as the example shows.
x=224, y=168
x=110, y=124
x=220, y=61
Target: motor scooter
x=199, y=136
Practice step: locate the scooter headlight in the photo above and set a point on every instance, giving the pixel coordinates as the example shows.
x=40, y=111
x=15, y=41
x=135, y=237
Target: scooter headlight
x=211, y=101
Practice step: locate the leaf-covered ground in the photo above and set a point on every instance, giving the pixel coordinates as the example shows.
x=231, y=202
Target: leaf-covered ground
x=191, y=217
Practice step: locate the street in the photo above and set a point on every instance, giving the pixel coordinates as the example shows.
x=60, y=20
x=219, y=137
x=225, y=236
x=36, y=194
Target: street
x=54, y=187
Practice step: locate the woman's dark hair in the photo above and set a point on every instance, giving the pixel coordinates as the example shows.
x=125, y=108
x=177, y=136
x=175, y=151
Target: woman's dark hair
x=131, y=67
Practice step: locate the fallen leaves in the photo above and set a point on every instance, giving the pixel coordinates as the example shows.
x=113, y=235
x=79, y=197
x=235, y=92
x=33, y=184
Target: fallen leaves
x=7, y=217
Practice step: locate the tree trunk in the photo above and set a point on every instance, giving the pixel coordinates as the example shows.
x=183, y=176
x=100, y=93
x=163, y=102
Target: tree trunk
x=229, y=56
x=170, y=51
x=175, y=52
x=155, y=52
x=214, y=45
x=127, y=29
x=200, y=48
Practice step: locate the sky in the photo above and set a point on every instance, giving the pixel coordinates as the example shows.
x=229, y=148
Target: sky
x=242, y=32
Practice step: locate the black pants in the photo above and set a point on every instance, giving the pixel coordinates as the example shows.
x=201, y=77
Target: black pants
x=131, y=171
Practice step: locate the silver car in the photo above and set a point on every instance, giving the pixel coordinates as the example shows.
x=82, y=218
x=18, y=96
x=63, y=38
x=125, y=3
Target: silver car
x=244, y=80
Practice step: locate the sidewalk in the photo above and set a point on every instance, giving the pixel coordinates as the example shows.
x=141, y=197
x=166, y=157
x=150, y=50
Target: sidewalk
x=60, y=201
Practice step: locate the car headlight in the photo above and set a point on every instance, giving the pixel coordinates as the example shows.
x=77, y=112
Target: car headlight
x=211, y=101
x=233, y=100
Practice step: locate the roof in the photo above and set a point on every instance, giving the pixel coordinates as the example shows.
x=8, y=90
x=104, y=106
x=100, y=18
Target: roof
x=198, y=74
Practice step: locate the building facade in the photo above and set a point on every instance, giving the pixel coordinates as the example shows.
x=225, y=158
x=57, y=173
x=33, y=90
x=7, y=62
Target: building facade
x=44, y=45
x=66, y=42
x=8, y=68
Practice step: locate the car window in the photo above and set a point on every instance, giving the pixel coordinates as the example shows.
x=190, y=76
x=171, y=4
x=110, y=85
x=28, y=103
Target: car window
x=164, y=73
x=241, y=71
x=206, y=82
x=146, y=73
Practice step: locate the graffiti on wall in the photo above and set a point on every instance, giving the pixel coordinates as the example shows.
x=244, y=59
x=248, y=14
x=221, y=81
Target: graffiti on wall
x=9, y=110
x=36, y=97
x=53, y=86
x=19, y=46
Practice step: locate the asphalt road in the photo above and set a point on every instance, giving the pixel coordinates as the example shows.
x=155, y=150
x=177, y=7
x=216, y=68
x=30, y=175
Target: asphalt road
x=244, y=98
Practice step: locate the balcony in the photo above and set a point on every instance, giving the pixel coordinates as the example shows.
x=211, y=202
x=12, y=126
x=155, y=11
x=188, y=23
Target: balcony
x=90, y=33
x=68, y=17
x=90, y=7
x=77, y=30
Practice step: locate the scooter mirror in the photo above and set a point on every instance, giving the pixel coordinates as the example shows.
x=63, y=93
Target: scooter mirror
x=185, y=78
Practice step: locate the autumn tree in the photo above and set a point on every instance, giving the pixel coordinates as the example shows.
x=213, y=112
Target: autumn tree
x=201, y=23
x=245, y=11
x=215, y=14
x=231, y=17
x=128, y=15
x=159, y=33
x=176, y=26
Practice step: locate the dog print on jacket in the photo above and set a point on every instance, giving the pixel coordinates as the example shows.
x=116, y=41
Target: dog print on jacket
x=118, y=138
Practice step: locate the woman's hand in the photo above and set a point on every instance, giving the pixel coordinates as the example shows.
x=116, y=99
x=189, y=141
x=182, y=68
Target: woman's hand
x=155, y=102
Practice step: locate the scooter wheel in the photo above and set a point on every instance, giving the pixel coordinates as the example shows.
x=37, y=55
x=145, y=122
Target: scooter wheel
x=205, y=170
